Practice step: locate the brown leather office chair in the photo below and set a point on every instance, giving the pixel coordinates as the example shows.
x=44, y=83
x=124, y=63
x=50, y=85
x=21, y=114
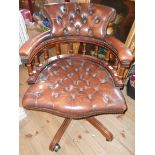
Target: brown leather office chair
x=76, y=86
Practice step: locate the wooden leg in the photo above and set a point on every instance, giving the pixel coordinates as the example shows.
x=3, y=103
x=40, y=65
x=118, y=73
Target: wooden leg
x=99, y=126
x=59, y=133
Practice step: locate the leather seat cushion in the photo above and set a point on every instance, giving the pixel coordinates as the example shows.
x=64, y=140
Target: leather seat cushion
x=74, y=88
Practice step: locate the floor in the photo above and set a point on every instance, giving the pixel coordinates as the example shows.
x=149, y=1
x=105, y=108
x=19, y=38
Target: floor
x=38, y=129
x=81, y=138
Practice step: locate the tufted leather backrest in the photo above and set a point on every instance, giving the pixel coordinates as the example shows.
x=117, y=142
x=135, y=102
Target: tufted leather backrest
x=80, y=19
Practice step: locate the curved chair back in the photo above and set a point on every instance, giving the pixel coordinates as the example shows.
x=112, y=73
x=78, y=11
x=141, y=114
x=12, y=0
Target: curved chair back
x=79, y=19
x=77, y=22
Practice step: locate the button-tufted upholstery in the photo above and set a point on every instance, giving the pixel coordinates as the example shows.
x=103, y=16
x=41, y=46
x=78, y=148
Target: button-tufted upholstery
x=84, y=19
x=74, y=87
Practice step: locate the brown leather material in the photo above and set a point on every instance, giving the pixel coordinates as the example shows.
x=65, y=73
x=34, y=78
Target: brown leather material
x=83, y=19
x=117, y=82
x=27, y=48
x=77, y=22
x=123, y=52
x=74, y=88
x=33, y=46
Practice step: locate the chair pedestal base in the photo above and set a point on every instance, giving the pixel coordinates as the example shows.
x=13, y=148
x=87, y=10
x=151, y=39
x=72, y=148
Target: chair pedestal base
x=99, y=126
x=92, y=120
x=59, y=134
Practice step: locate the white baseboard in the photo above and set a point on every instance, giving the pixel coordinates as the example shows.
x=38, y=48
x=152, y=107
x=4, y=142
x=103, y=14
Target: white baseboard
x=22, y=114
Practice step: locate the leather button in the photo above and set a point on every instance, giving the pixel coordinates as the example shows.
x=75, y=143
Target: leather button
x=96, y=89
x=106, y=98
x=90, y=32
x=102, y=81
x=69, y=62
x=59, y=81
x=90, y=10
x=63, y=9
x=77, y=29
x=66, y=89
x=66, y=30
x=51, y=86
x=97, y=20
x=71, y=87
x=55, y=72
x=94, y=74
x=71, y=19
x=76, y=69
x=89, y=96
x=87, y=69
x=54, y=94
x=72, y=96
x=82, y=64
x=43, y=77
x=63, y=67
x=37, y=94
x=69, y=75
x=59, y=20
x=77, y=10
x=88, y=83
x=84, y=20
x=81, y=89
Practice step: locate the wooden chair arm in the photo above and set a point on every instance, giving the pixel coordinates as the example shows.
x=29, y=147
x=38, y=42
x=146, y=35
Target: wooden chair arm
x=124, y=54
x=26, y=51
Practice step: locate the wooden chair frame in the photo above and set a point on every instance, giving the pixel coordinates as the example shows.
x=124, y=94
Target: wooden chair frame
x=40, y=45
x=92, y=120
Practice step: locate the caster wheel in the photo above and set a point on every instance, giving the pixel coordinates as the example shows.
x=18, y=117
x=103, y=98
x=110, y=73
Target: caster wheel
x=57, y=147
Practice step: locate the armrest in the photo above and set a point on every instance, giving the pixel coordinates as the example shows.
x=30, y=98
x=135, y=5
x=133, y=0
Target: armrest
x=124, y=54
x=26, y=51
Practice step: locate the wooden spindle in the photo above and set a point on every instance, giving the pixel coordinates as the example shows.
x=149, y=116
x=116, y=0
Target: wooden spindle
x=70, y=48
x=84, y=49
x=37, y=61
x=30, y=69
x=116, y=63
x=120, y=72
x=112, y=57
x=76, y=47
x=107, y=56
x=58, y=49
x=96, y=51
x=126, y=73
x=46, y=54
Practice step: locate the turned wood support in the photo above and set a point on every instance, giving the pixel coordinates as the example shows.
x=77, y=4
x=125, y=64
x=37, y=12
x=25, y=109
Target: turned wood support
x=107, y=55
x=30, y=69
x=120, y=72
x=59, y=133
x=70, y=48
x=116, y=64
x=76, y=47
x=37, y=61
x=96, y=51
x=99, y=126
x=58, y=49
x=46, y=54
x=126, y=73
x=84, y=49
x=112, y=57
